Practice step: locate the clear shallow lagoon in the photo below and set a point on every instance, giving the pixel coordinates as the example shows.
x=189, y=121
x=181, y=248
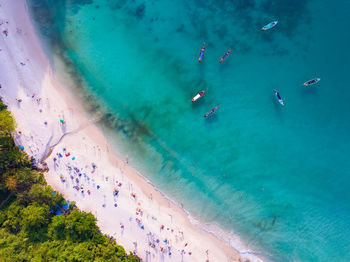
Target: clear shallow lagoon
x=277, y=176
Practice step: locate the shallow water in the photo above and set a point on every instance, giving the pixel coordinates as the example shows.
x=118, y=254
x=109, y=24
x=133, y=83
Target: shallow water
x=277, y=176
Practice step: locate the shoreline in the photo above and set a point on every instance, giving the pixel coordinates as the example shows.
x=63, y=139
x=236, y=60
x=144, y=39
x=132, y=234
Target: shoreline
x=85, y=142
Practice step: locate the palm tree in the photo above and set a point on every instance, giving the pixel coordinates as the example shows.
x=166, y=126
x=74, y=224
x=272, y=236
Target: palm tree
x=10, y=184
x=17, y=180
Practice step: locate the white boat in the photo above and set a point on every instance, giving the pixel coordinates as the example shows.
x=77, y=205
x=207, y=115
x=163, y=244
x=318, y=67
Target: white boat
x=312, y=82
x=199, y=95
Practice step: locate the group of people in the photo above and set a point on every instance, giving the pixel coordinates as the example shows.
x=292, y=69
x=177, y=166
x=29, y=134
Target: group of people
x=83, y=178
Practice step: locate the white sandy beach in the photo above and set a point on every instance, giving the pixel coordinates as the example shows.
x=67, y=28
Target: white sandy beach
x=83, y=167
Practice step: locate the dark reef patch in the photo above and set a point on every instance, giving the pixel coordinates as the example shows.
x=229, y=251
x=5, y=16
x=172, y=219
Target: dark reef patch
x=140, y=11
x=221, y=31
x=75, y=5
x=247, y=17
x=119, y=4
x=243, y=5
x=80, y=2
x=180, y=28
x=44, y=18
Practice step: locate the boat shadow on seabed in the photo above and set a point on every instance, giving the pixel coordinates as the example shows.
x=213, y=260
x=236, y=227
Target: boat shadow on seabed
x=211, y=119
x=278, y=110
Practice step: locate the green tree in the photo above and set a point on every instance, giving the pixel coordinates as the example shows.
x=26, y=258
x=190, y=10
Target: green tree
x=10, y=246
x=57, y=228
x=45, y=195
x=11, y=218
x=17, y=180
x=80, y=226
x=34, y=221
x=7, y=124
x=11, y=156
x=76, y=227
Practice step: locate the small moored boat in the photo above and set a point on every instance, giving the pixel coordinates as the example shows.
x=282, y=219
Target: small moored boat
x=201, y=53
x=269, y=25
x=199, y=95
x=277, y=95
x=312, y=82
x=224, y=56
x=211, y=111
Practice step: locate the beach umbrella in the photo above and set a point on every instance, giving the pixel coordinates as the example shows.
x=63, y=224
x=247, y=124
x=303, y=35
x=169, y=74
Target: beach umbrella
x=21, y=147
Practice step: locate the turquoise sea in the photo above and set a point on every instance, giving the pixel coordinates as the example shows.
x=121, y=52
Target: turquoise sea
x=277, y=176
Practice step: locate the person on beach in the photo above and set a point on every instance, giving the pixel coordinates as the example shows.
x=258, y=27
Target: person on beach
x=207, y=252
